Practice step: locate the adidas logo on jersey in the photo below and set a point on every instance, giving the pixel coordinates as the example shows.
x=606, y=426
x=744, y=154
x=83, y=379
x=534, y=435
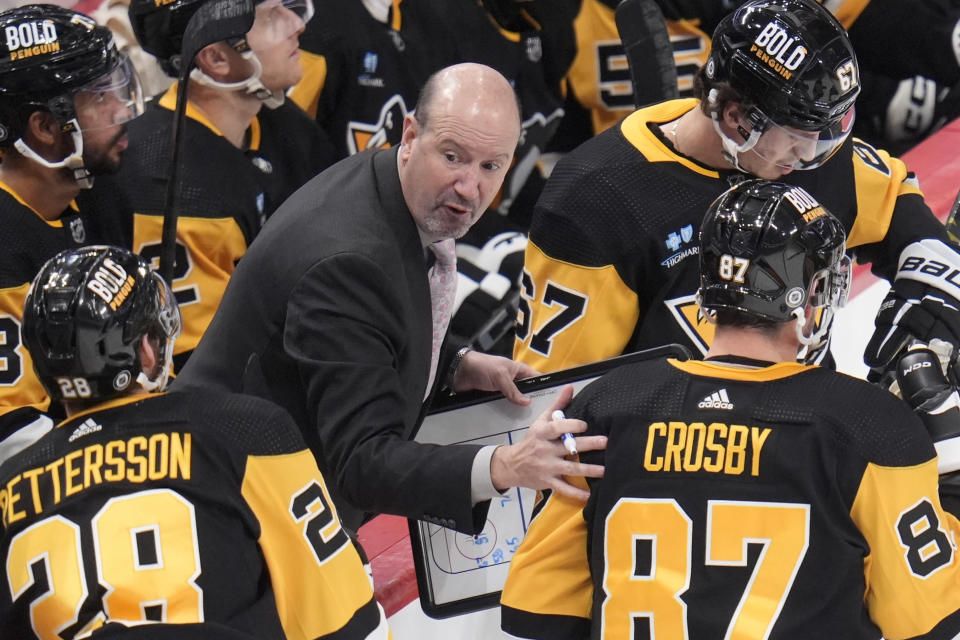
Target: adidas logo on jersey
x=716, y=400
x=86, y=427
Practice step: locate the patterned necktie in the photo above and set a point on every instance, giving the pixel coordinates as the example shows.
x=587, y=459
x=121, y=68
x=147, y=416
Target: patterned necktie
x=443, y=289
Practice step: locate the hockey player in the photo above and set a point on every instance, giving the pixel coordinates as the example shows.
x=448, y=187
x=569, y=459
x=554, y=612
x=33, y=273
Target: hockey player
x=908, y=54
x=748, y=492
x=65, y=96
x=247, y=148
x=611, y=263
x=169, y=508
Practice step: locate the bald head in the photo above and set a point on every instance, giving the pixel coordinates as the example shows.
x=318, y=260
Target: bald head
x=469, y=90
x=456, y=148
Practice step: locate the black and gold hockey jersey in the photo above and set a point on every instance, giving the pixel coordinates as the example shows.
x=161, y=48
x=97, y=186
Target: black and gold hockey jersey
x=908, y=53
x=29, y=240
x=599, y=80
x=177, y=508
x=612, y=262
x=361, y=77
x=225, y=195
x=743, y=500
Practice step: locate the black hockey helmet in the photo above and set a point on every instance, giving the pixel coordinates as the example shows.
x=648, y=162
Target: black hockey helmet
x=46, y=52
x=769, y=249
x=794, y=63
x=84, y=317
x=49, y=55
x=159, y=28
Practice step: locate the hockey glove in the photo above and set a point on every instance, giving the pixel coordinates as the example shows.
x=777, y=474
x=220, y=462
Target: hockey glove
x=925, y=388
x=487, y=292
x=923, y=304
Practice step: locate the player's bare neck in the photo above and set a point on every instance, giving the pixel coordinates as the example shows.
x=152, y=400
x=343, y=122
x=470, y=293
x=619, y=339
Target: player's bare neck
x=693, y=135
x=46, y=191
x=778, y=344
x=71, y=409
x=229, y=111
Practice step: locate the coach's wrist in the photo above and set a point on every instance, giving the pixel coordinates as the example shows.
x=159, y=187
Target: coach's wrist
x=455, y=364
x=501, y=469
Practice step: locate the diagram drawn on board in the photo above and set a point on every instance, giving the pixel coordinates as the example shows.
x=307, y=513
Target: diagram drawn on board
x=459, y=572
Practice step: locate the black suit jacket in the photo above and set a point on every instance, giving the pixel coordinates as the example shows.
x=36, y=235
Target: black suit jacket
x=328, y=314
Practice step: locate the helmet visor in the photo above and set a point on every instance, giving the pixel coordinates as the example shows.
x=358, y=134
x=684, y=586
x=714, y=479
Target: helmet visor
x=110, y=100
x=790, y=148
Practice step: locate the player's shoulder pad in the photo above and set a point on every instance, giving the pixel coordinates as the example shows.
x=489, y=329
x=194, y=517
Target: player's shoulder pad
x=649, y=387
x=604, y=194
x=247, y=424
x=869, y=421
x=867, y=156
x=603, y=159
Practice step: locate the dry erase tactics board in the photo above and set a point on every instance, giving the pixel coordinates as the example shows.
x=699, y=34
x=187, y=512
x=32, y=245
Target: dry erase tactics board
x=456, y=572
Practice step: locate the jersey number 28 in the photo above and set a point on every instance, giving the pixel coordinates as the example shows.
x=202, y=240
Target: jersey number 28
x=150, y=533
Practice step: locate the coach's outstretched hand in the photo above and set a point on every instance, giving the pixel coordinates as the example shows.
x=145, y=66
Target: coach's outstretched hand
x=539, y=460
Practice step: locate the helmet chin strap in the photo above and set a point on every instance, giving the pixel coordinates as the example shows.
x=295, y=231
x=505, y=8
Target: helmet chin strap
x=74, y=161
x=731, y=150
x=251, y=86
x=812, y=346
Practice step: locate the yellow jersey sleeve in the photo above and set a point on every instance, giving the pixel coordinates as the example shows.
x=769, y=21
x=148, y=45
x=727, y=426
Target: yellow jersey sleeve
x=571, y=314
x=19, y=385
x=880, y=180
x=317, y=576
x=207, y=252
x=599, y=74
x=912, y=574
x=550, y=573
